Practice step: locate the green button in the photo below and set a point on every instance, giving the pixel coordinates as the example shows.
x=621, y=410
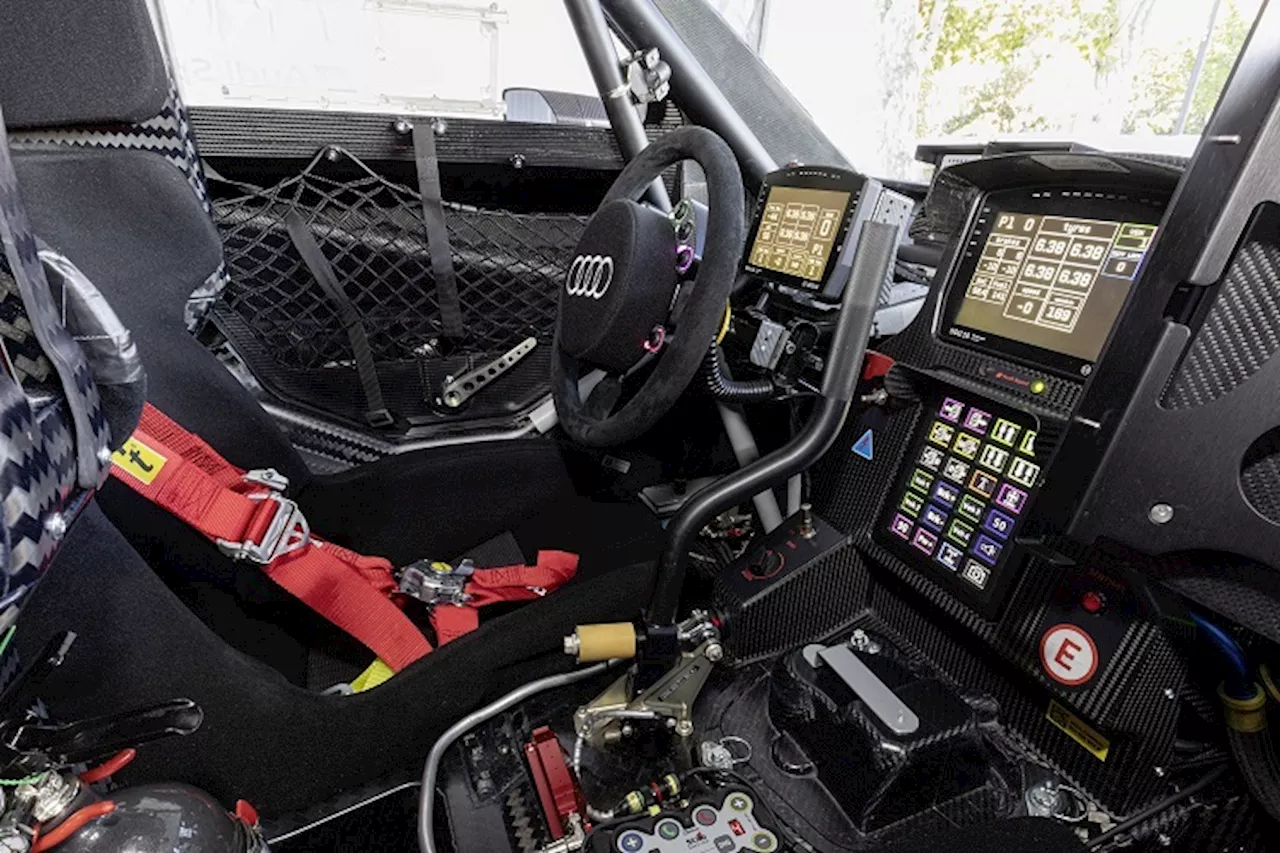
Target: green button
x=960, y=533
x=921, y=480
x=1028, y=445
x=912, y=504
x=971, y=508
x=669, y=830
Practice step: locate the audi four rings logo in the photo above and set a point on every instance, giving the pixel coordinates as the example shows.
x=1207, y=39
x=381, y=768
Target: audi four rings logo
x=589, y=275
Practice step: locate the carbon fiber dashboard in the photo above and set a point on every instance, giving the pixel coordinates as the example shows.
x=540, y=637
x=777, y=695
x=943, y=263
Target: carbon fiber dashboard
x=1065, y=642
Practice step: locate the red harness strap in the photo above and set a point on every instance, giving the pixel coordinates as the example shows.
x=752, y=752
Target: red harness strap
x=248, y=518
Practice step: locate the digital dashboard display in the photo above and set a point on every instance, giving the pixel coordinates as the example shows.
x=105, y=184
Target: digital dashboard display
x=797, y=231
x=1053, y=282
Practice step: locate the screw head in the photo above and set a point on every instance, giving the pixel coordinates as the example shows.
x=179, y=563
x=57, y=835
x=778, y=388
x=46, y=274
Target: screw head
x=1160, y=514
x=715, y=652
x=403, y=126
x=684, y=728
x=56, y=525
x=1170, y=694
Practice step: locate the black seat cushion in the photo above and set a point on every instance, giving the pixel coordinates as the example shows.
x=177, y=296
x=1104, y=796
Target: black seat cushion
x=277, y=745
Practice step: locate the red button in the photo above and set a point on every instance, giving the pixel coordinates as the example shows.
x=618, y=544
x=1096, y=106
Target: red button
x=1092, y=602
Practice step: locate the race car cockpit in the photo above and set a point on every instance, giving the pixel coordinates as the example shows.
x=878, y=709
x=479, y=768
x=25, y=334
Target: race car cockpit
x=617, y=480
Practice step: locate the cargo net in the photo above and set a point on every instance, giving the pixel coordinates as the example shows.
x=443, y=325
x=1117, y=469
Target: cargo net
x=508, y=267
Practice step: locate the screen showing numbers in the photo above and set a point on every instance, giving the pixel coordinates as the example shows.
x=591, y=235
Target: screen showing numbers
x=798, y=228
x=1054, y=282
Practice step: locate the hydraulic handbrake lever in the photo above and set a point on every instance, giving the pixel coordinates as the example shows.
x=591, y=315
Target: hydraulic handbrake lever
x=83, y=741
x=32, y=746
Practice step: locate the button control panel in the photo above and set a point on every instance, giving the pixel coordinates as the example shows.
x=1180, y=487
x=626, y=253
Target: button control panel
x=965, y=486
x=728, y=822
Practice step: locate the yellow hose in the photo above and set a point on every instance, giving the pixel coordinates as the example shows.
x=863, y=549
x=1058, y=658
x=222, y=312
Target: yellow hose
x=724, y=326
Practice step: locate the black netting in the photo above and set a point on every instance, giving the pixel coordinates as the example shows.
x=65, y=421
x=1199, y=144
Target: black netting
x=508, y=265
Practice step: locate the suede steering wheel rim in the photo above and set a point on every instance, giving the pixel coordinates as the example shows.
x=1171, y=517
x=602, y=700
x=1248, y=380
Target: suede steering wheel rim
x=703, y=299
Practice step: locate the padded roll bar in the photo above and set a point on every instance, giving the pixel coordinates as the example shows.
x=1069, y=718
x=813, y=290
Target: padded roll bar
x=876, y=248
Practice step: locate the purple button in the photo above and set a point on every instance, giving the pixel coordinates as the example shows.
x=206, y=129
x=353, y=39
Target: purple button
x=987, y=550
x=925, y=541
x=1011, y=498
x=951, y=410
x=934, y=518
x=949, y=556
x=978, y=421
x=946, y=493
x=901, y=525
x=998, y=524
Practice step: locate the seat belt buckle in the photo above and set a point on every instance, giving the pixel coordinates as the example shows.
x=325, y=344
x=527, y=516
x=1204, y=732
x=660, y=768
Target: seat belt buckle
x=433, y=582
x=269, y=477
x=287, y=532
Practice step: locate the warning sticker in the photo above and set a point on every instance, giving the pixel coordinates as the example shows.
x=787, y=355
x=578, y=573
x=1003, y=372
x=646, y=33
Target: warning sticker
x=1079, y=731
x=138, y=460
x=1068, y=655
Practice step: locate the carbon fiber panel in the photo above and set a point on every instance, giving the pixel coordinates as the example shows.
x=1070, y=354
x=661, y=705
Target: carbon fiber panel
x=1240, y=333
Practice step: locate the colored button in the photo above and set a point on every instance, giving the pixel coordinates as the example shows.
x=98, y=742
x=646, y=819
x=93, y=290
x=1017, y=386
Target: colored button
x=956, y=470
x=921, y=480
x=911, y=504
x=971, y=508
x=945, y=493
x=736, y=827
x=1005, y=432
x=993, y=458
x=901, y=525
x=987, y=549
x=949, y=556
x=630, y=842
x=934, y=518
x=1011, y=498
x=1092, y=602
x=978, y=421
x=726, y=844
x=983, y=484
x=740, y=803
x=1028, y=444
x=951, y=409
x=706, y=816
x=941, y=434
x=976, y=574
x=960, y=533
x=764, y=842
x=669, y=829
x=1024, y=472
x=998, y=524
x=925, y=541
x=931, y=457
x=966, y=445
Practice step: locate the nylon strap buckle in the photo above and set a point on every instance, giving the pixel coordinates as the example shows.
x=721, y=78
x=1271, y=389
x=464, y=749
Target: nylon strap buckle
x=287, y=532
x=437, y=583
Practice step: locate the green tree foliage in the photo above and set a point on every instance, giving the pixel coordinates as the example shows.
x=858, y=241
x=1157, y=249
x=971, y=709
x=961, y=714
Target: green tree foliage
x=981, y=60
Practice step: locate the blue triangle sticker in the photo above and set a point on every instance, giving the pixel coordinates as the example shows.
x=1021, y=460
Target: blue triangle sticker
x=863, y=446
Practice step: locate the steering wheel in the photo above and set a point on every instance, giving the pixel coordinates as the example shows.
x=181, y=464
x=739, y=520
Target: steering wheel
x=623, y=304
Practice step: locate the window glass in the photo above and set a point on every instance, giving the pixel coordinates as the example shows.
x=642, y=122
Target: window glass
x=393, y=56
x=881, y=76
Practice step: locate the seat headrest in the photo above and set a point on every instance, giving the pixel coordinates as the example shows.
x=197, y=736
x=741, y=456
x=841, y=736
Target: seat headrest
x=71, y=62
